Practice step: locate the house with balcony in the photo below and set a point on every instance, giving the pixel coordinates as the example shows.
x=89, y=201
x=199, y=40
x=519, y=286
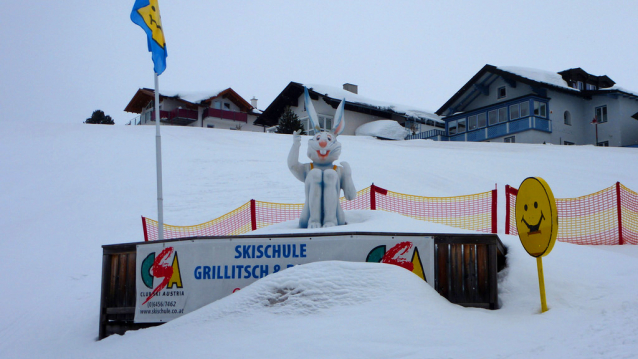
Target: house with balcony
x=515, y=104
x=216, y=109
x=358, y=110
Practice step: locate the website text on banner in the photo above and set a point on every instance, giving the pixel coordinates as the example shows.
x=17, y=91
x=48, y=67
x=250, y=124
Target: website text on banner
x=607, y=217
x=474, y=212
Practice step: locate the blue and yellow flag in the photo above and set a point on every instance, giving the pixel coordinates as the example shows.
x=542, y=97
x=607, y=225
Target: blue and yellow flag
x=147, y=15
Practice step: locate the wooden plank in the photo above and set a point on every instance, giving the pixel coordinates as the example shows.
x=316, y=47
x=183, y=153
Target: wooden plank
x=441, y=270
x=121, y=284
x=482, y=275
x=122, y=327
x=491, y=264
x=450, y=238
x=120, y=248
x=457, y=273
x=130, y=280
x=113, y=281
x=121, y=310
x=106, y=274
x=471, y=274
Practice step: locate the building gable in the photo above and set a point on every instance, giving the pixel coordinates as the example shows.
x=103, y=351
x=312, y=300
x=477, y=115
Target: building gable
x=538, y=82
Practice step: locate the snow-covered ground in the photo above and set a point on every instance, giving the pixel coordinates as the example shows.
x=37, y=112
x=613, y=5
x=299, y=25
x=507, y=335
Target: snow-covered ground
x=65, y=190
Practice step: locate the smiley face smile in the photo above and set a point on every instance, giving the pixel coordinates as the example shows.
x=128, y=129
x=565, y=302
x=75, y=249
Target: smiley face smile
x=533, y=228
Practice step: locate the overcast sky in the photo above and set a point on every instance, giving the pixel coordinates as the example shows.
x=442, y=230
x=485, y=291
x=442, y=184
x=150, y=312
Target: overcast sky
x=61, y=60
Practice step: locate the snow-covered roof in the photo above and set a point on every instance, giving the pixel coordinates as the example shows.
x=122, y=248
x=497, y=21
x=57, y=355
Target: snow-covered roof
x=409, y=111
x=546, y=77
x=622, y=89
x=192, y=96
x=554, y=79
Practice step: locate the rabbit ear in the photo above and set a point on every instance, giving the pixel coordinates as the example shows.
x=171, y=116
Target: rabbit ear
x=339, y=122
x=312, y=114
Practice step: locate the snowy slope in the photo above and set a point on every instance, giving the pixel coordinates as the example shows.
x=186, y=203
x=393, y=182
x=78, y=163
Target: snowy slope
x=68, y=189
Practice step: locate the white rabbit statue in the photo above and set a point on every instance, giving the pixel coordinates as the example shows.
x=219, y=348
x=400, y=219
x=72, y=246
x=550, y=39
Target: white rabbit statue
x=324, y=180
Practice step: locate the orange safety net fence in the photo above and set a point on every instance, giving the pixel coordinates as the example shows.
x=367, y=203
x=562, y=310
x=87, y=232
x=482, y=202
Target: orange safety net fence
x=474, y=212
x=234, y=222
x=607, y=217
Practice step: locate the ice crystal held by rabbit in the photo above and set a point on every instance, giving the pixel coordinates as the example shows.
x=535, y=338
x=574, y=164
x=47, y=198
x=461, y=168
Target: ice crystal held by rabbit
x=322, y=178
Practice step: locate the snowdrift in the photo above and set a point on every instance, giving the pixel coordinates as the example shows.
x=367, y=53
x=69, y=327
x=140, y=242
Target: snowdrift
x=68, y=189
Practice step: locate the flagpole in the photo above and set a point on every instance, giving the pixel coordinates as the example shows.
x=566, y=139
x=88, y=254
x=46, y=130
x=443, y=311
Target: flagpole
x=158, y=156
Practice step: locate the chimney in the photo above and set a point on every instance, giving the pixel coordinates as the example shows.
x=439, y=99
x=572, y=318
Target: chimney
x=253, y=102
x=352, y=88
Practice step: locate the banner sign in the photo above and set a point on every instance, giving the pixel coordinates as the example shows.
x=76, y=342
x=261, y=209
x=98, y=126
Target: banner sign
x=178, y=277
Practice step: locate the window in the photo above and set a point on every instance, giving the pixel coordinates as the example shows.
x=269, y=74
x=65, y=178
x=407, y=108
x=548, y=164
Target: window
x=325, y=122
x=524, y=109
x=540, y=109
x=603, y=144
x=511, y=139
x=493, y=117
x=579, y=85
x=482, y=119
x=591, y=87
x=601, y=114
x=461, y=126
x=501, y=92
x=217, y=105
x=413, y=126
x=567, y=143
x=451, y=128
x=305, y=123
x=210, y=125
x=514, y=114
x=567, y=117
x=227, y=105
x=472, y=123
x=502, y=114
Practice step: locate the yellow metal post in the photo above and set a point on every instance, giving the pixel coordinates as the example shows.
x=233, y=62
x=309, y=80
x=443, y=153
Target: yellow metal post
x=541, y=283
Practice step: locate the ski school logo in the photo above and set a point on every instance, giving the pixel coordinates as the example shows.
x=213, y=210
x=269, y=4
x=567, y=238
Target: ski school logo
x=159, y=267
x=397, y=255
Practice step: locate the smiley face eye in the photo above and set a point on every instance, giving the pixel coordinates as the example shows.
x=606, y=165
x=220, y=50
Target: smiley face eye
x=535, y=204
x=526, y=207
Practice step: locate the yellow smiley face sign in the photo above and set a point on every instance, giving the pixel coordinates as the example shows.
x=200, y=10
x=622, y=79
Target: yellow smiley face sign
x=536, y=217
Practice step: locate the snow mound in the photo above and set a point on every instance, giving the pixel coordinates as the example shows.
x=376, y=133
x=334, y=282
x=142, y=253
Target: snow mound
x=384, y=129
x=316, y=288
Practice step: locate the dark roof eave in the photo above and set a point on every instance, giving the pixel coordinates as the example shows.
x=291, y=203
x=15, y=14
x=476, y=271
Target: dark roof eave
x=276, y=108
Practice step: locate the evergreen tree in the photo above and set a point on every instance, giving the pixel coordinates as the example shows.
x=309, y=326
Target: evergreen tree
x=289, y=122
x=98, y=117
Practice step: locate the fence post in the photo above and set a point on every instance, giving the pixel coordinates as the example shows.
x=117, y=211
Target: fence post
x=373, y=200
x=144, y=226
x=253, y=214
x=494, y=209
x=619, y=206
